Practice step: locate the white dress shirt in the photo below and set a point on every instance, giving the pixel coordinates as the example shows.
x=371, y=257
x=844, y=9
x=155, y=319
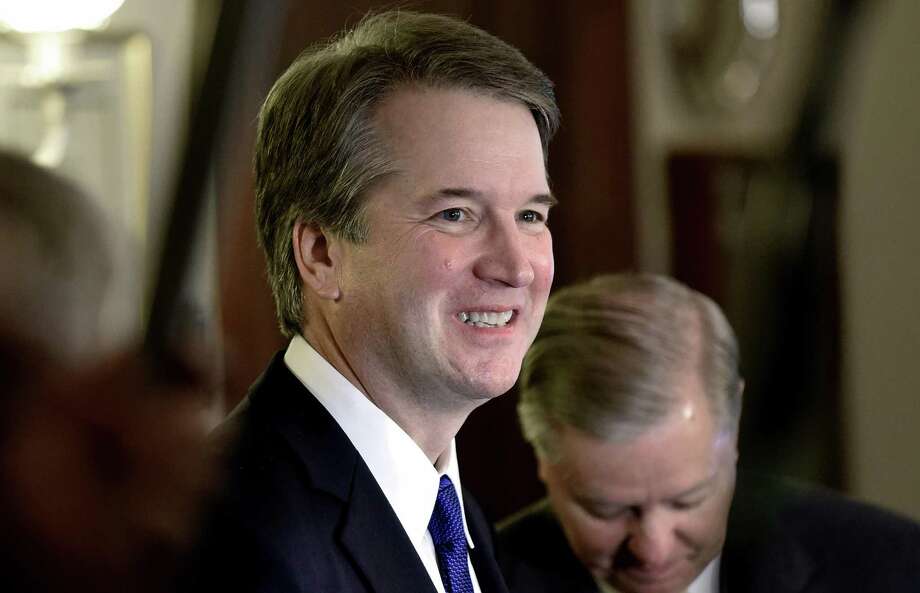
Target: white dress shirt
x=707, y=582
x=403, y=471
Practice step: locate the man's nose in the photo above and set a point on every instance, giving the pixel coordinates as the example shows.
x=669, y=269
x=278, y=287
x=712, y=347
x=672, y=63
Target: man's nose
x=506, y=258
x=652, y=539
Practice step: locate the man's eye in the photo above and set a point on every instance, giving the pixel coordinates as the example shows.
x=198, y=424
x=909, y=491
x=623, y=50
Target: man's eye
x=452, y=215
x=531, y=216
x=686, y=505
x=606, y=514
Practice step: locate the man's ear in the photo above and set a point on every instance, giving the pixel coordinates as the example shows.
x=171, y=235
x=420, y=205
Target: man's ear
x=740, y=411
x=316, y=266
x=740, y=397
x=737, y=421
x=541, y=468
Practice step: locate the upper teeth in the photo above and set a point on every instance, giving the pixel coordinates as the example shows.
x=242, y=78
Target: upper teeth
x=485, y=318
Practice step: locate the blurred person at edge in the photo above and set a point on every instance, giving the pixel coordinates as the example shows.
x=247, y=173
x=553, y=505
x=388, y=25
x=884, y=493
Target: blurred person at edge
x=402, y=201
x=102, y=461
x=631, y=396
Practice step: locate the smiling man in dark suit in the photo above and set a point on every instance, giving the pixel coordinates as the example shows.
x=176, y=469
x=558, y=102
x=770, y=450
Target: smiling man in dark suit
x=631, y=397
x=402, y=201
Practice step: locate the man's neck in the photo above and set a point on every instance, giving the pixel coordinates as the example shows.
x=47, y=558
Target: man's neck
x=432, y=427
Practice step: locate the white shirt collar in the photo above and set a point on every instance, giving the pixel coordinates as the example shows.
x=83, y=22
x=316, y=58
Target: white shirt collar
x=408, y=479
x=707, y=582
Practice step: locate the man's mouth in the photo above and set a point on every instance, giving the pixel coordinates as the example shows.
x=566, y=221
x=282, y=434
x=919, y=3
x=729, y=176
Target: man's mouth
x=647, y=576
x=486, y=318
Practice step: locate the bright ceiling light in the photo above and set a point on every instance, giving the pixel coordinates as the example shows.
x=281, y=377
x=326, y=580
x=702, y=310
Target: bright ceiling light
x=52, y=16
x=760, y=17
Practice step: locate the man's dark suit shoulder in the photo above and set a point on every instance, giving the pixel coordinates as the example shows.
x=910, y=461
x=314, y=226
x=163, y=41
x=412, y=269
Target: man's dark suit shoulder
x=270, y=525
x=535, y=557
x=301, y=511
x=787, y=536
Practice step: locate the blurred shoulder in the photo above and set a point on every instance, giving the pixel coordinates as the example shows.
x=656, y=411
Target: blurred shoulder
x=534, y=521
x=815, y=512
x=535, y=556
x=776, y=524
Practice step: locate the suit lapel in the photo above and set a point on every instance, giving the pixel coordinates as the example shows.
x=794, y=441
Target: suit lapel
x=279, y=402
x=371, y=534
x=483, y=554
x=487, y=573
x=377, y=543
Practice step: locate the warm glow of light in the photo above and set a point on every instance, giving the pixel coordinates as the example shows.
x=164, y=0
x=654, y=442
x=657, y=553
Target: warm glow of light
x=51, y=16
x=760, y=17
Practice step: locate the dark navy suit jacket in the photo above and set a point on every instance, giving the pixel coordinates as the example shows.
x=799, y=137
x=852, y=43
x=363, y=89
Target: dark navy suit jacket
x=302, y=512
x=780, y=539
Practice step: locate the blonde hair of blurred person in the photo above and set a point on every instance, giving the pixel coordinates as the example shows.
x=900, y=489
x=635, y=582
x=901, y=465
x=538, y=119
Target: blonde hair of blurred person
x=55, y=260
x=102, y=463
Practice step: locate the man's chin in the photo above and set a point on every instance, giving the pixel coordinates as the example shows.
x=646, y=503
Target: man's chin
x=488, y=380
x=668, y=582
x=487, y=390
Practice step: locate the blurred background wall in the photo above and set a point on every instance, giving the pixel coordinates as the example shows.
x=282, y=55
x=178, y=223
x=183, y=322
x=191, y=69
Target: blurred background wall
x=775, y=170
x=763, y=152
x=878, y=255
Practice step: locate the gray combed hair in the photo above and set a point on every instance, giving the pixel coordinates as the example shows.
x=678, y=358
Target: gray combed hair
x=611, y=351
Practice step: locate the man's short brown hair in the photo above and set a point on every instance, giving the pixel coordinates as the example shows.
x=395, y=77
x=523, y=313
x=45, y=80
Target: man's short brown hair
x=317, y=152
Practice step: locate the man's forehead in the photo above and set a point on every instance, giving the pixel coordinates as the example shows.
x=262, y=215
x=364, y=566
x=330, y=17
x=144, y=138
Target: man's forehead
x=628, y=493
x=426, y=108
x=683, y=450
x=636, y=489
x=443, y=144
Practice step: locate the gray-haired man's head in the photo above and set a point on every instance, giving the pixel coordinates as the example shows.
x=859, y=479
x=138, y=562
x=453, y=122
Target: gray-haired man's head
x=612, y=353
x=631, y=397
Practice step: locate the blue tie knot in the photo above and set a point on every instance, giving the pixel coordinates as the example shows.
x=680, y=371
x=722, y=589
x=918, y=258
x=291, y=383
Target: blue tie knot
x=446, y=529
x=446, y=524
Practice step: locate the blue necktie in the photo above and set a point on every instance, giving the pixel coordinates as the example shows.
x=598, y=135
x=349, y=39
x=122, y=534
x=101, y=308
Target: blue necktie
x=446, y=529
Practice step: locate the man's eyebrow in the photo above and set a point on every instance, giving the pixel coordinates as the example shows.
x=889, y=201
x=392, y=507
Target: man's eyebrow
x=546, y=199
x=602, y=503
x=456, y=192
x=696, y=489
x=444, y=194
